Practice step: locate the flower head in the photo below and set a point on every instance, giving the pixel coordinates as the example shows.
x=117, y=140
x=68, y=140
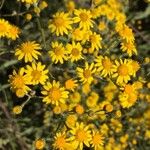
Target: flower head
x=54, y=94
x=28, y=50
x=123, y=71
x=58, y=53
x=19, y=82
x=83, y=17
x=104, y=65
x=4, y=27
x=86, y=74
x=61, y=24
x=37, y=73
x=80, y=135
x=75, y=51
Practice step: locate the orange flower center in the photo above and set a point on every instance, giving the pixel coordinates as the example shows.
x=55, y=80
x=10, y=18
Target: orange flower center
x=18, y=82
x=87, y=73
x=81, y=135
x=58, y=21
x=36, y=75
x=27, y=48
x=93, y=38
x=69, y=84
x=55, y=94
x=83, y=17
x=58, y=51
x=107, y=64
x=123, y=70
x=97, y=139
x=128, y=89
x=75, y=52
x=60, y=142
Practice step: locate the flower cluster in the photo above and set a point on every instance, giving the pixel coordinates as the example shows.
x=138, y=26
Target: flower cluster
x=86, y=75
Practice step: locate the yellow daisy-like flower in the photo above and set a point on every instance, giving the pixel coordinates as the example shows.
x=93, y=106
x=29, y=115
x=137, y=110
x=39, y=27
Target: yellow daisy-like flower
x=123, y=70
x=19, y=82
x=135, y=67
x=127, y=100
x=95, y=40
x=58, y=53
x=71, y=84
x=102, y=26
x=37, y=72
x=4, y=27
x=54, y=94
x=28, y=51
x=105, y=65
x=77, y=34
x=75, y=51
x=60, y=24
x=80, y=135
x=85, y=74
x=60, y=141
x=97, y=140
x=127, y=34
x=83, y=17
x=40, y=144
x=129, y=48
x=13, y=32
x=129, y=88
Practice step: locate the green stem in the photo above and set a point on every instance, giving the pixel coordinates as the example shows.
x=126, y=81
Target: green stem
x=42, y=31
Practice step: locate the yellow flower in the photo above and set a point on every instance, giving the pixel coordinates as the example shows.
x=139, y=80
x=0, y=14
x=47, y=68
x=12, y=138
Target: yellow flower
x=60, y=24
x=95, y=40
x=129, y=88
x=71, y=120
x=102, y=26
x=127, y=34
x=104, y=65
x=19, y=82
x=75, y=97
x=70, y=6
x=79, y=109
x=37, y=73
x=60, y=141
x=127, y=100
x=54, y=94
x=92, y=100
x=97, y=140
x=13, y=32
x=123, y=71
x=17, y=109
x=39, y=144
x=71, y=84
x=75, y=51
x=85, y=74
x=83, y=17
x=80, y=135
x=135, y=67
x=58, y=53
x=4, y=27
x=28, y=51
x=77, y=34
x=128, y=47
